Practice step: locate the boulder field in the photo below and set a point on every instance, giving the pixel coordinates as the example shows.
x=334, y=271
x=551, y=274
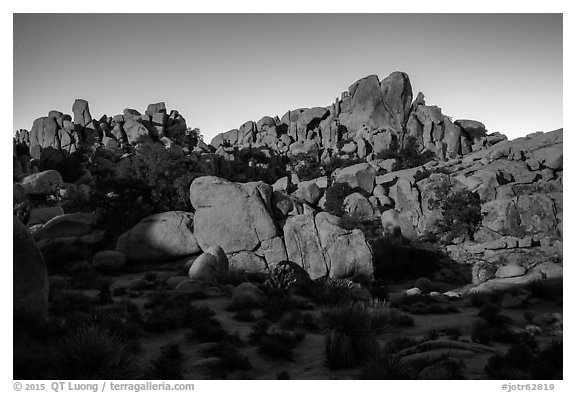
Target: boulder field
x=258, y=226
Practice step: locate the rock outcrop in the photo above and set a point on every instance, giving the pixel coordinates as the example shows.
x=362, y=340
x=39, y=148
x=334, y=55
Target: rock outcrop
x=237, y=217
x=30, y=277
x=367, y=119
x=323, y=248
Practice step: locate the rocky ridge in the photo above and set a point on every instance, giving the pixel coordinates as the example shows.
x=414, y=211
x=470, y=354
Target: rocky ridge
x=260, y=225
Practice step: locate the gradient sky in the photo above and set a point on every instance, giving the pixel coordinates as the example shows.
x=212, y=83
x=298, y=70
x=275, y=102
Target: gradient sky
x=220, y=70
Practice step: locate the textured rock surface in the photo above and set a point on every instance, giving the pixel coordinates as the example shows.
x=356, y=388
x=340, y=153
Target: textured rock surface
x=211, y=267
x=160, y=237
x=29, y=276
x=321, y=247
x=237, y=217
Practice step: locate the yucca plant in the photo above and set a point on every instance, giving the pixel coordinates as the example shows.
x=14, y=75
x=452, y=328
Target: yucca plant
x=348, y=325
x=382, y=365
x=339, y=350
x=93, y=352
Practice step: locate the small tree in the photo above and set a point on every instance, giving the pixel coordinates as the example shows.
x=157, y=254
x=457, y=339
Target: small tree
x=461, y=214
x=167, y=173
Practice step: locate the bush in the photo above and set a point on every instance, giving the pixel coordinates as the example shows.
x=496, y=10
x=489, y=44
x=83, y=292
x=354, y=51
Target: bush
x=399, y=343
x=168, y=175
x=350, y=334
x=259, y=330
x=306, y=167
x=339, y=349
x=409, y=156
x=280, y=344
x=231, y=357
x=382, y=365
x=172, y=311
x=333, y=291
x=523, y=362
x=93, y=352
x=491, y=313
x=461, y=214
x=244, y=316
x=276, y=307
x=335, y=195
x=169, y=364
x=206, y=330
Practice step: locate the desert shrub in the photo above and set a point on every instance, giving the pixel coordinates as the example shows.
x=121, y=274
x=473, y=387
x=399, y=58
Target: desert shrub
x=123, y=202
x=169, y=364
x=486, y=333
x=283, y=375
x=407, y=156
x=545, y=290
x=382, y=365
x=172, y=311
x=339, y=349
x=432, y=335
x=350, y=334
x=333, y=291
x=335, y=195
x=461, y=214
x=168, y=175
x=244, y=316
x=529, y=316
x=523, y=362
x=422, y=305
x=445, y=369
x=279, y=344
x=306, y=167
x=206, y=330
x=276, y=307
x=491, y=313
x=75, y=200
x=453, y=333
x=69, y=301
x=287, y=275
x=232, y=358
x=84, y=276
x=397, y=344
x=259, y=330
x=93, y=352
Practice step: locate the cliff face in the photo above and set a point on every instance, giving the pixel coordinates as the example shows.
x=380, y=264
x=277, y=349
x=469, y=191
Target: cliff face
x=368, y=118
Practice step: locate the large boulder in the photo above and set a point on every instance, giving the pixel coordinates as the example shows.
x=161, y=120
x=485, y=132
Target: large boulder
x=29, y=277
x=66, y=226
x=359, y=207
x=359, y=175
x=44, y=134
x=81, y=112
x=321, y=247
x=159, y=238
x=309, y=192
x=43, y=183
x=238, y=218
x=246, y=295
x=364, y=106
x=347, y=253
x=397, y=95
x=303, y=245
x=42, y=215
x=211, y=267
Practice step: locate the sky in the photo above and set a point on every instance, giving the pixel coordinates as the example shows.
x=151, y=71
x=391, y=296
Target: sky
x=221, y=70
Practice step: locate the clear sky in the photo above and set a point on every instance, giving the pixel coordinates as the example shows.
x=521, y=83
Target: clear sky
x=220, y=70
